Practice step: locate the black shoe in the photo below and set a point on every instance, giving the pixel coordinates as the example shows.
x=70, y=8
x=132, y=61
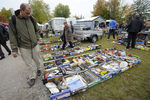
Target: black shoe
x=9, y=53
x=2, y=57
x=39, y=73
x=31, y=82
x=127, y=48
x=71, y=46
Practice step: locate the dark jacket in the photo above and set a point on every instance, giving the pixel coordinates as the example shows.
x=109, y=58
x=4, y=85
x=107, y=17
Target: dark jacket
x=72, y=28
x=135, y=25
x=26, y=35
x=3, y=35
x=68, y=33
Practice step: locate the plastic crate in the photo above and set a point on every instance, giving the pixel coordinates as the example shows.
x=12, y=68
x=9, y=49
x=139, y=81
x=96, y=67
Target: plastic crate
x=114, y=73
x=90, y=78
x=97, y=73
x=77, y=84
x=61, y=95
x=140, y=42
x=107, y=76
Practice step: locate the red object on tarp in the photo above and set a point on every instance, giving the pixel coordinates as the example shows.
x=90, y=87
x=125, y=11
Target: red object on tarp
x=129, y=54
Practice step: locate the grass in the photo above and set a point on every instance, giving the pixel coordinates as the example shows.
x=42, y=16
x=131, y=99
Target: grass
x=133, y=84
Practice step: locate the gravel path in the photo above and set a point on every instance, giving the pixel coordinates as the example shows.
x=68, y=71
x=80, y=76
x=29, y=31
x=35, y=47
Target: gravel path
x=13, y=83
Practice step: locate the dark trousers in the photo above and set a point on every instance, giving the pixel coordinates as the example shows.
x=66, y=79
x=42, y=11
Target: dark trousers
x=131, y=38
x=111, y=31
x=41, y=35
x=64, y=44
x=6, y=47
x=46, y=35
x=1, y=52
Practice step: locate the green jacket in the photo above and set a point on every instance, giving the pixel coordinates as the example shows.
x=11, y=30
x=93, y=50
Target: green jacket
x=26, y=35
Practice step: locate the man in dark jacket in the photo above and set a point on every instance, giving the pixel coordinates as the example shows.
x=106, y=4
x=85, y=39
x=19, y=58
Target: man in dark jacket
x=135, y=26
x=3, y=39
x=24, y=37
x=67, y=36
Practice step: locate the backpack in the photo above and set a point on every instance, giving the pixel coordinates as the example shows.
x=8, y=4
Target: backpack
x=5, y=33
x=13, y=17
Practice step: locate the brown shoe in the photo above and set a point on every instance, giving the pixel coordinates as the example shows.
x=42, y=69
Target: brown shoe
x=38, y=72
x=31, y=82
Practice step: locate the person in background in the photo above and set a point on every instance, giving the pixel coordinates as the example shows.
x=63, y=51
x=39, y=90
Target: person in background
x=135, y=26
x=120, y=28
x=102, y=27
x=67, y=36
x=97, y=27
x=112, y=28
x=3, y=38
x=71, y=26
x=24, y=36
x=41, y=34
x=47, y=31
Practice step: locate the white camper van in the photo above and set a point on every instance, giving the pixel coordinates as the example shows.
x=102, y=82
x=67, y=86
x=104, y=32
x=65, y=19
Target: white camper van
x=72, y=19
x=57, y=24
x=40, y=26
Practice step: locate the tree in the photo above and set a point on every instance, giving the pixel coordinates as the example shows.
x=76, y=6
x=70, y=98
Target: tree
x=141, y=7
x=5, y=13
x=62, y=11
x=76, y=17
x=114, y=7
x=125, y=14
x=40, y=10
x=100, y=9
x=107, y=9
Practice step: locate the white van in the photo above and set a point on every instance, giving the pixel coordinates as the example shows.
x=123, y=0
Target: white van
x=57, y=24
x=40, y=26
x=72, y=19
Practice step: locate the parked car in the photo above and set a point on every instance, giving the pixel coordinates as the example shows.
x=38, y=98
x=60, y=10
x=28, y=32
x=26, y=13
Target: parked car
x=83, y=33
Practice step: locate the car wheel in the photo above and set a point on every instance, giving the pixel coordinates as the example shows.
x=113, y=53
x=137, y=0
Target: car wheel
x=94, y=39
x=89, y=39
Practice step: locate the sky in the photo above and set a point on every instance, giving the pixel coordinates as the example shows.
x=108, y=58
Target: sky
x=77, y=7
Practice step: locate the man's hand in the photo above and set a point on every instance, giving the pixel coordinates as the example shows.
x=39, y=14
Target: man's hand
x=15, y=54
